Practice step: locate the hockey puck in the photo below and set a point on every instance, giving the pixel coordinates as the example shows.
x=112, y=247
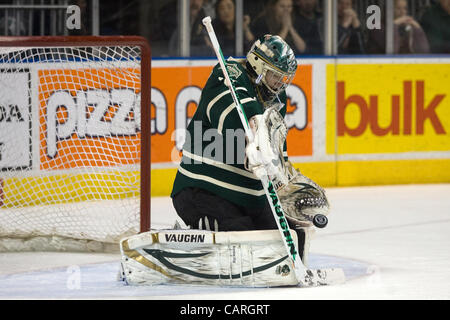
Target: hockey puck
x=320, y=221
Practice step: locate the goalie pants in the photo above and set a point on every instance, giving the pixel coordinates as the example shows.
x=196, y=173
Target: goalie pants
x=193, y=205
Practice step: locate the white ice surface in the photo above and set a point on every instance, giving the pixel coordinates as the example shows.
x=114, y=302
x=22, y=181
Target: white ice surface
x=392, y=242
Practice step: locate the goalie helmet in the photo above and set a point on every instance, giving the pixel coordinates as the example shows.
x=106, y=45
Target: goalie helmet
x=272, y=65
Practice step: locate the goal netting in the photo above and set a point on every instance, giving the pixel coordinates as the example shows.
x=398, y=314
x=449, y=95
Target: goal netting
x=71, y=142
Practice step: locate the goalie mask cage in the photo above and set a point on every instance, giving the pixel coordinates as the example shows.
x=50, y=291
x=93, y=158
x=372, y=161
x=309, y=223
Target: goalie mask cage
x=75, y=127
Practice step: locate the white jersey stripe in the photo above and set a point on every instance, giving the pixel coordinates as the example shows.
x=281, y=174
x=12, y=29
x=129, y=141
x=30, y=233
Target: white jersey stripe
x=220, y=165
x=221, y=183
x=228, y=110
x=217, y=98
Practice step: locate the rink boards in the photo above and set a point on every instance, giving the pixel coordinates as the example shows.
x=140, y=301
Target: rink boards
x=352, y=121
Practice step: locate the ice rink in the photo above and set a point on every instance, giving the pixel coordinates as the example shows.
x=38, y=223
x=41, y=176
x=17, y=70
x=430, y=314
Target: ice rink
x=392, y=242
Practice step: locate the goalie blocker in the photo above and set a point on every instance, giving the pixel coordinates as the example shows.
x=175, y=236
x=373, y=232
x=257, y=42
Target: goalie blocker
x=236, y=258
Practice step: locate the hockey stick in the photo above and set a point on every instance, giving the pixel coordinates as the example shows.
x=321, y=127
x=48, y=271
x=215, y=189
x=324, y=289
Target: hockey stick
x=306, y=277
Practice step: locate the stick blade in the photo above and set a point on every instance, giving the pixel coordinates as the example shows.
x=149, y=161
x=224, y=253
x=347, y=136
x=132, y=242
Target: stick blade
x=321, y=277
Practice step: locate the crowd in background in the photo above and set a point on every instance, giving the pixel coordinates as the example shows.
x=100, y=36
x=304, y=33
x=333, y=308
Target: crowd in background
x=300, y=23
x=420, y=26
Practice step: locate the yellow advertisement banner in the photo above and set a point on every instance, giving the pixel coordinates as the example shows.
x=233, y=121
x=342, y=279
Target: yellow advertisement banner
x=388, y=108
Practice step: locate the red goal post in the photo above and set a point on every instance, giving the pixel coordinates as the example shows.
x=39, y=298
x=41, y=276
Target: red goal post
x=90, y=70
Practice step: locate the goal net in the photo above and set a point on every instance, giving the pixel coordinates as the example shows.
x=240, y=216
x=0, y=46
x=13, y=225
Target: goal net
x=74, y=141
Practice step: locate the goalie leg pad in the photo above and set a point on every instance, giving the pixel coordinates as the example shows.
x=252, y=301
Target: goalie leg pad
x=241, y=258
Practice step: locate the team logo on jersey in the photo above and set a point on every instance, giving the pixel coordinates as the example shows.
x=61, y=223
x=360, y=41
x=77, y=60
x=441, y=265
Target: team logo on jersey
x=233, y=71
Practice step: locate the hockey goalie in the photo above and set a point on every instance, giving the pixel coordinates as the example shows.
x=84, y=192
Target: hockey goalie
x=231, y=236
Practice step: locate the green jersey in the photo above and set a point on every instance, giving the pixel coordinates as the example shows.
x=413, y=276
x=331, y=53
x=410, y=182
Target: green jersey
x=214, y=149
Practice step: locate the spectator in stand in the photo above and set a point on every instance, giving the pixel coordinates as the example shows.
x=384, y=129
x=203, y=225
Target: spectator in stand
x=350, y=37
x=224, y=26
x=277, y=20
x=307, y=22
x=10, y=26
x=436, y=24
x=408, y=34
x=200, y=44
x=209, y=6
x=168, y=22
x=254, y=8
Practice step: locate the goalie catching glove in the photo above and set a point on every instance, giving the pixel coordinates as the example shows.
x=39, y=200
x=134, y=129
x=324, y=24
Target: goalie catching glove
x=301, y=198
